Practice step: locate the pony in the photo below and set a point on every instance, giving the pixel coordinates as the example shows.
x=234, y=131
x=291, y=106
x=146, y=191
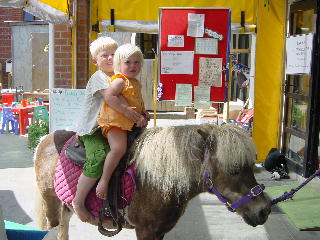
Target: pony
x=173, y=165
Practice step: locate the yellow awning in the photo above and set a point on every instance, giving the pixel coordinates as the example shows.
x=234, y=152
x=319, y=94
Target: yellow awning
x=147, y=10
x=52, y=11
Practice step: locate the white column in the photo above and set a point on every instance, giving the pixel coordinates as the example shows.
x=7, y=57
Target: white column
x=51, y=57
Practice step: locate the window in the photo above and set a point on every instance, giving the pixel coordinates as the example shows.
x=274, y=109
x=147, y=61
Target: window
x=28, y=17
x=147, y=43
x=300, y=126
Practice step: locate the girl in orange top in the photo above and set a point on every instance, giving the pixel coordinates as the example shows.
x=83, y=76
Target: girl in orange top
x=127, y=63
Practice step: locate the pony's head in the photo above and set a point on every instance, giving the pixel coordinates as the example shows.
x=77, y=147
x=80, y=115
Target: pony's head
x=229, y=158
x=173, y=160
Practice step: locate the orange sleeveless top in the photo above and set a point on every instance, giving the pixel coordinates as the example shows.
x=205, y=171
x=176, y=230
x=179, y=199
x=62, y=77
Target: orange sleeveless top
x=109, y=117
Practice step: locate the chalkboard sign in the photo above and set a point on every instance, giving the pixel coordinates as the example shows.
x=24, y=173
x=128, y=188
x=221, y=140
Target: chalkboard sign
x=65, y=108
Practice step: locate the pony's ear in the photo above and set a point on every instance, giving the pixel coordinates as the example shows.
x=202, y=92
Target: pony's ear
x=203, y=134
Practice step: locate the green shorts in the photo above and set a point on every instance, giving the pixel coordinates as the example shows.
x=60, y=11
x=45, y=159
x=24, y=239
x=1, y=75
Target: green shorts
x=97, y=148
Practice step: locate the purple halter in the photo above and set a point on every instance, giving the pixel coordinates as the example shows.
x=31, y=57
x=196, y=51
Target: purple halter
x=255, y=191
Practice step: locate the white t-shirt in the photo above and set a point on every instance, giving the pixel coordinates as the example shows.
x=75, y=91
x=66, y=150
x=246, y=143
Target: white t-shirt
x=92, y=104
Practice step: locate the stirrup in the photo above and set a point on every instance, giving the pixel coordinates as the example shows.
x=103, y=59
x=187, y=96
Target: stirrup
x=105, y=211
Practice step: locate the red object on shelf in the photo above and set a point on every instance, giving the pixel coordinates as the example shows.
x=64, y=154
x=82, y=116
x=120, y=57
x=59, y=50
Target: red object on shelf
x=7, y=98
x=24, y=103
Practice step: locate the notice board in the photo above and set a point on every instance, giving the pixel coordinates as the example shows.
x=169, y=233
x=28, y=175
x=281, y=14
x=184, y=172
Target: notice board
x=65, y=108
x=194, y=45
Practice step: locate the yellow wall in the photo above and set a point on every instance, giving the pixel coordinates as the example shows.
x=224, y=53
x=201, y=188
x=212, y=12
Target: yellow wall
x=269, y=75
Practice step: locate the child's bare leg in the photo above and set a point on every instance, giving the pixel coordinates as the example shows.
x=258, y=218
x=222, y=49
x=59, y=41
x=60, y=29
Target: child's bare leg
x=84, y=186
x=117, y=139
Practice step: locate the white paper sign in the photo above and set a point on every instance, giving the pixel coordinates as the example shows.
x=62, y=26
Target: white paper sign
x=65, y=108
x=183, y=95
x=210, y=72
x=206, y=46
x=195, y=25
x=177, y=62
x=175, y=41
x=201, y=97
x=299, y=54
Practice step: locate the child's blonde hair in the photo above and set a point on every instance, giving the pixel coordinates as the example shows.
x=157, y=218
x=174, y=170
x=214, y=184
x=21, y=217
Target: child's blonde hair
x=123, y=53
x=100, y=44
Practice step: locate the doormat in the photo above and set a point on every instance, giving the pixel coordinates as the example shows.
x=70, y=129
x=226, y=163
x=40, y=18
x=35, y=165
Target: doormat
x=304, y=210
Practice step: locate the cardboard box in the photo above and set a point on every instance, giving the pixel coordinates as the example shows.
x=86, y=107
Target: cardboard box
x=234, y=109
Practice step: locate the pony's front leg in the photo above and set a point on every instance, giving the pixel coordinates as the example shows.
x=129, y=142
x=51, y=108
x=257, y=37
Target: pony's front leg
x=146, y=234
x=153, y=215
x=65, y=215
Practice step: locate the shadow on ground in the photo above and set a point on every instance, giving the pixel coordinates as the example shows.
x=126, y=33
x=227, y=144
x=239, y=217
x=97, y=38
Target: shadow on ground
x=9, y=204
x=14, y=152
x=192, y=225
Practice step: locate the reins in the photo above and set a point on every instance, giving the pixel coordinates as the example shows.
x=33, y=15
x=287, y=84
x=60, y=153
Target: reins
x=290, y=194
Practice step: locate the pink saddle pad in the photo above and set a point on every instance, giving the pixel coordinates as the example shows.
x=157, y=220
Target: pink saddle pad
x=66, y=179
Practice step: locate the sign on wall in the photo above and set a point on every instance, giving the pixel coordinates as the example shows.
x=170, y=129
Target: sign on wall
x=194, y=45
x=299, y=54
x=65, y=108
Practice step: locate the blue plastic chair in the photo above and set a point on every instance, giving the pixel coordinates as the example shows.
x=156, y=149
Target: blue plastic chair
x=8, y=117
x=40, y=102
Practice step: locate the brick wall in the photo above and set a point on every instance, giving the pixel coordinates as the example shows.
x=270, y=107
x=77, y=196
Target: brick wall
x=83, y=56
x=63, y=50
x=7, y=14
x=63, y=56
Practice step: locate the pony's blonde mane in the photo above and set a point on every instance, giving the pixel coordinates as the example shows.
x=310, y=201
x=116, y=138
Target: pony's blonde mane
x=172, y=158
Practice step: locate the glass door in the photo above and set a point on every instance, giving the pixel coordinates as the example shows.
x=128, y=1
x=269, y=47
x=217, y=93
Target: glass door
x=300, y=138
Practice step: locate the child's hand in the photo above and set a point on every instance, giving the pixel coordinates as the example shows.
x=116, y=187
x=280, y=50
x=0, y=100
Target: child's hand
x=142, y=122
x=132, y=114
x=146, y=115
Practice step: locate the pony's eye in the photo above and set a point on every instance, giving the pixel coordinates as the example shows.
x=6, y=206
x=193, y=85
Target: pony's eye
x=234, y=172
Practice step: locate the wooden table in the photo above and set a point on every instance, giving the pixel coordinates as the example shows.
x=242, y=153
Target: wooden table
x=35, y=96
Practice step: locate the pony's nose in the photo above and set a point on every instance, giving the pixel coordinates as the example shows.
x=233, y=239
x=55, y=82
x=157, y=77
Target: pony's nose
x=264, y=213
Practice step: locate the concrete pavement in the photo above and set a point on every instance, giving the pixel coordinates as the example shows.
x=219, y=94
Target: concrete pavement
x=205, y=219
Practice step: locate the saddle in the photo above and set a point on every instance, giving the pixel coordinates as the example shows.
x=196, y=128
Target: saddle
x=76, y=153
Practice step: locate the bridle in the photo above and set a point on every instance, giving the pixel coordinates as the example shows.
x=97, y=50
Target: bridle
x=255, y=191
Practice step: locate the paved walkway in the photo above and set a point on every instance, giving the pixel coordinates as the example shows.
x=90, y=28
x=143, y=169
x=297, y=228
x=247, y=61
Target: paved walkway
x=205, y=219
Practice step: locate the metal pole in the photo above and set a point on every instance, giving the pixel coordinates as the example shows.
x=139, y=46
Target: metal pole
x=155, y=68
x=229, y=86
x=51, y=56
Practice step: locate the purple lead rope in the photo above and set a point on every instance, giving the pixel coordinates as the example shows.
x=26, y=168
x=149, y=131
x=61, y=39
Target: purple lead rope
x=290, y=194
